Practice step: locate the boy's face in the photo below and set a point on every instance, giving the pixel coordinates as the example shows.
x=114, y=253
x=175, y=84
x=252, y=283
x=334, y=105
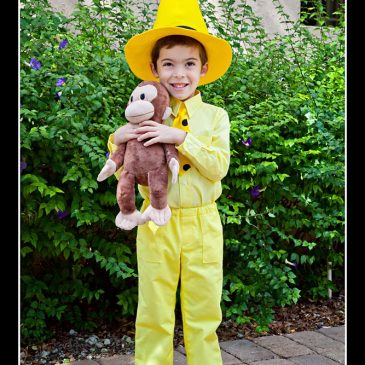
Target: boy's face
x=179, y=69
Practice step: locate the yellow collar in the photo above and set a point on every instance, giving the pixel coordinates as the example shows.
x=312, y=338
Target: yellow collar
x=191, y=104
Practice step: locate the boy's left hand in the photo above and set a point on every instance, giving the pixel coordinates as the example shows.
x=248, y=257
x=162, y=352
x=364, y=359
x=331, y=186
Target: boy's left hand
x=159, y=133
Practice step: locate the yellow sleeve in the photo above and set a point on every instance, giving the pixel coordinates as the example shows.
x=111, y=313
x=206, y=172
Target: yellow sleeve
x=112, y=148
x=211, y=161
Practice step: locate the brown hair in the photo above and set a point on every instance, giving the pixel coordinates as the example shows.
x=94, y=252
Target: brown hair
x=173, y=40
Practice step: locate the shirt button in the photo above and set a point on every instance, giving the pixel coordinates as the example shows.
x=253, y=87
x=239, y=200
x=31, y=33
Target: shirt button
x=186, y=167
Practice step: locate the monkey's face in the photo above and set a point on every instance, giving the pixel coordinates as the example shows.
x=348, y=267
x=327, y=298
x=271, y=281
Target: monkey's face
x=140, y=107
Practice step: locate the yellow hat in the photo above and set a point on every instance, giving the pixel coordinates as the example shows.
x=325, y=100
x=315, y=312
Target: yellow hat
x=178, y=17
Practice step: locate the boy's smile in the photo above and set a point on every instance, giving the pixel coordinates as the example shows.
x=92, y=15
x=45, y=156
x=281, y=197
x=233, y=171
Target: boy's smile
x=179, y=69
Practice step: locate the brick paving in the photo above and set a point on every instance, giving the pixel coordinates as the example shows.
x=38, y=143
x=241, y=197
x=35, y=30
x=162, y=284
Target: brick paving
x=325, y=346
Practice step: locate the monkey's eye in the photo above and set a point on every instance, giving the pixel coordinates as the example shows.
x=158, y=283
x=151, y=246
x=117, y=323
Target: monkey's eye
x=142, y=96
x=131, y=99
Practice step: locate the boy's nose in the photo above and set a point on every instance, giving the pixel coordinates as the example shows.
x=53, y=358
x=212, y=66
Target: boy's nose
x=179, y=72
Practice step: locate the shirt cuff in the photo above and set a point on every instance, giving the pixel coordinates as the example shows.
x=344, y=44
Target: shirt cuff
x=111, y=146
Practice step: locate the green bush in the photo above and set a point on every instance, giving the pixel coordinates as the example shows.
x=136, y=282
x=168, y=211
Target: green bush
x=283, y=198
x=282, y=203
x=76, y=266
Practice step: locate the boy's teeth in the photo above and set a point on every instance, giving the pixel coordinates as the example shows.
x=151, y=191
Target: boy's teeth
x=178, y=85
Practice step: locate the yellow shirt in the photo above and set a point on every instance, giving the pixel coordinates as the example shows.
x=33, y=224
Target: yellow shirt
x=206, y=146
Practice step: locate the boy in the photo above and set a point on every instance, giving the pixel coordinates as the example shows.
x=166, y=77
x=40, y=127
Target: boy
x=181, y=54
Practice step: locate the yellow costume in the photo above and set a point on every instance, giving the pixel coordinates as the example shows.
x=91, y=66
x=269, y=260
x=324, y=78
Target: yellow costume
x=189, y=247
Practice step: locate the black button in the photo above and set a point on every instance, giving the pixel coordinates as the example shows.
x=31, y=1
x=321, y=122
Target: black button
x=185, y=122
x=186, y=167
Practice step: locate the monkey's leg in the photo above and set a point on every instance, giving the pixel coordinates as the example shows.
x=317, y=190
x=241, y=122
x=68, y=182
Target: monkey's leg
x=159, y=212
x=129, y=216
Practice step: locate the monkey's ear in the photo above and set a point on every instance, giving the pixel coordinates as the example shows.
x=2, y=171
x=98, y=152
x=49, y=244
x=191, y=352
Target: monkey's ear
x=167, y=113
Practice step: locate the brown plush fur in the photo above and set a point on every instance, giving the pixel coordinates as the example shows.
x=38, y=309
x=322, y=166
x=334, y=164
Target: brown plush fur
x=145, y=165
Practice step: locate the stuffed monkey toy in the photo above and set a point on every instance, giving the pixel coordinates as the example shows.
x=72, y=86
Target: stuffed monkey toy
x=144, y=165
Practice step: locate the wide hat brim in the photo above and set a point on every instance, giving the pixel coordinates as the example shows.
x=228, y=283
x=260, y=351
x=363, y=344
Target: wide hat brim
x=138, y=52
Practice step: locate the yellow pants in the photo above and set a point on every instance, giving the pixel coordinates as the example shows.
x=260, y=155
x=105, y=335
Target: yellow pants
x=189, y=247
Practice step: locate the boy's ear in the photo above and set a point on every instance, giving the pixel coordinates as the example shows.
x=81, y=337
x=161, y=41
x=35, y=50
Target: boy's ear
x=204, y=69
x=153, y=70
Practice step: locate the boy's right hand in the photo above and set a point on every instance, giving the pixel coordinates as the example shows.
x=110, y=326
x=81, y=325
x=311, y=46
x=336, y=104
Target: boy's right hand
x=125, y=133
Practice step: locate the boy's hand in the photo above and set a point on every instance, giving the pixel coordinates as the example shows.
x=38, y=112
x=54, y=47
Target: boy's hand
x=125, y=133
x=159, y=133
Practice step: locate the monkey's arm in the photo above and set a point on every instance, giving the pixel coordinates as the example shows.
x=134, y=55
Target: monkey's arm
x=112, y=147
x=170, y=152
x=172, y=158
x=118, y=155
x=114, y=163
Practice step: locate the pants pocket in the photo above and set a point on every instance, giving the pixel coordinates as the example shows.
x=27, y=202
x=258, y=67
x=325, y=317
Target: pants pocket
x=212, y=231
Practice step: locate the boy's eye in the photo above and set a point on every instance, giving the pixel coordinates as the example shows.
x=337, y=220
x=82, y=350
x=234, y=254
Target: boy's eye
x=190, y=64
x=167, y=64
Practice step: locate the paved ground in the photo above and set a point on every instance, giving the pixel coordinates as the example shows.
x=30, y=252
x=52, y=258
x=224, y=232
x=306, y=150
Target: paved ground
x=323, y=347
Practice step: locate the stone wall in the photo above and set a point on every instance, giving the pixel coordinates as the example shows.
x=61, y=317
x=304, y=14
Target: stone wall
x=263, y=8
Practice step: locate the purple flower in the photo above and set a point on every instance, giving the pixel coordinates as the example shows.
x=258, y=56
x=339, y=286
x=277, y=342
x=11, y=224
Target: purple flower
x=229, y=196
x=35, y=64
x=57, y=95
x=62, y=214
x=248, y=142
x=294, y=264
x=255, y=192
x=23, y=165
x=63, y=44
x=60, y=82
x=107, y=154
